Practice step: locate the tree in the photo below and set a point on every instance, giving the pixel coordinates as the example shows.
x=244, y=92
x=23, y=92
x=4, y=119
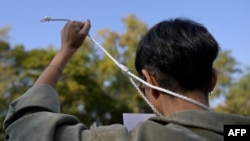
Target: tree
x=237, y=100
x=232, y=86
x=6, y=74
x=226, y=67
x=122, y=47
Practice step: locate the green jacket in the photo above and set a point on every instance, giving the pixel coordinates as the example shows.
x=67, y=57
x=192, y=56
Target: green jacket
x=35, y=116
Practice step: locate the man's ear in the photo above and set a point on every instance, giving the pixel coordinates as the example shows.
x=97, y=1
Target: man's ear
x=213, y=80
x=151, y=80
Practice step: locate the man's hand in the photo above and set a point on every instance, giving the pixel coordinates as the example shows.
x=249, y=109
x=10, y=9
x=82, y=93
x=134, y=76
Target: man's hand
x=73, y=34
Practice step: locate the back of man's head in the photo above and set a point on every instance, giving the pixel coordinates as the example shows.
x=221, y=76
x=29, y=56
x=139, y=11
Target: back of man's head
x=180, y=53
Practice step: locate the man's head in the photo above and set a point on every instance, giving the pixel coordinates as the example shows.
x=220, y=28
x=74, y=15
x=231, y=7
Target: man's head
x=179, y=53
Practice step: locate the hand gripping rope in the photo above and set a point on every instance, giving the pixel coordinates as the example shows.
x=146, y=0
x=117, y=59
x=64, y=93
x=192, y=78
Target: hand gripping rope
x=133, y=76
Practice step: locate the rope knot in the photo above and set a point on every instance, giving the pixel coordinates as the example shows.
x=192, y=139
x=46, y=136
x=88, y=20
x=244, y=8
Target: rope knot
x=124, y=68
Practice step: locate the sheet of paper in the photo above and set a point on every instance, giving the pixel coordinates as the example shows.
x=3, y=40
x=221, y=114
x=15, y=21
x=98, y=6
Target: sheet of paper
x=130, y=120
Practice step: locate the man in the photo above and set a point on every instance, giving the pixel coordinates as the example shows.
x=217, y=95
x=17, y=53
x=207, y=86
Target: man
x=176, y=54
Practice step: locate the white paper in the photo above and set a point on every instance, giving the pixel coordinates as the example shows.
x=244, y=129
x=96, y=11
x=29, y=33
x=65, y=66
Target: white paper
x=130, y=120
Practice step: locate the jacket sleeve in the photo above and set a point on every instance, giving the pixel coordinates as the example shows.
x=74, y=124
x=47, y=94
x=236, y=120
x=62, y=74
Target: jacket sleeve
x=36, y=116
x=38, y=97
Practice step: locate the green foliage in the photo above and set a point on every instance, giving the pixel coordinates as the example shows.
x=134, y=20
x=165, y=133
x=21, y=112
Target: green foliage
x=226, y=67
x=8, y=77
x=4, y=46
x=233, y=86
x=122, y=47
x=237, y=100
x=4, y=33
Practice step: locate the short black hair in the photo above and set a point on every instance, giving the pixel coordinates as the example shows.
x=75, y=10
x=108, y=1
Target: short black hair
x=180, y=52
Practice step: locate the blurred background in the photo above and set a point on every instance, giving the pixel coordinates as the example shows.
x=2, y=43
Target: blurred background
x=92, y=87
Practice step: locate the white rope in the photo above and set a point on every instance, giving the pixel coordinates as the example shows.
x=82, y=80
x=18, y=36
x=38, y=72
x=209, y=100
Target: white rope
x=133, y=76
x=125, y=69
x=145, y=98
x=48, y=19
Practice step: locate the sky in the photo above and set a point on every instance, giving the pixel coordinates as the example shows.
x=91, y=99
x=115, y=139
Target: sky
x=228, y=21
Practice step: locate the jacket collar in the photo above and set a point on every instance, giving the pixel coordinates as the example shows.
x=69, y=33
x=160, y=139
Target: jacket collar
x=208, y=120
